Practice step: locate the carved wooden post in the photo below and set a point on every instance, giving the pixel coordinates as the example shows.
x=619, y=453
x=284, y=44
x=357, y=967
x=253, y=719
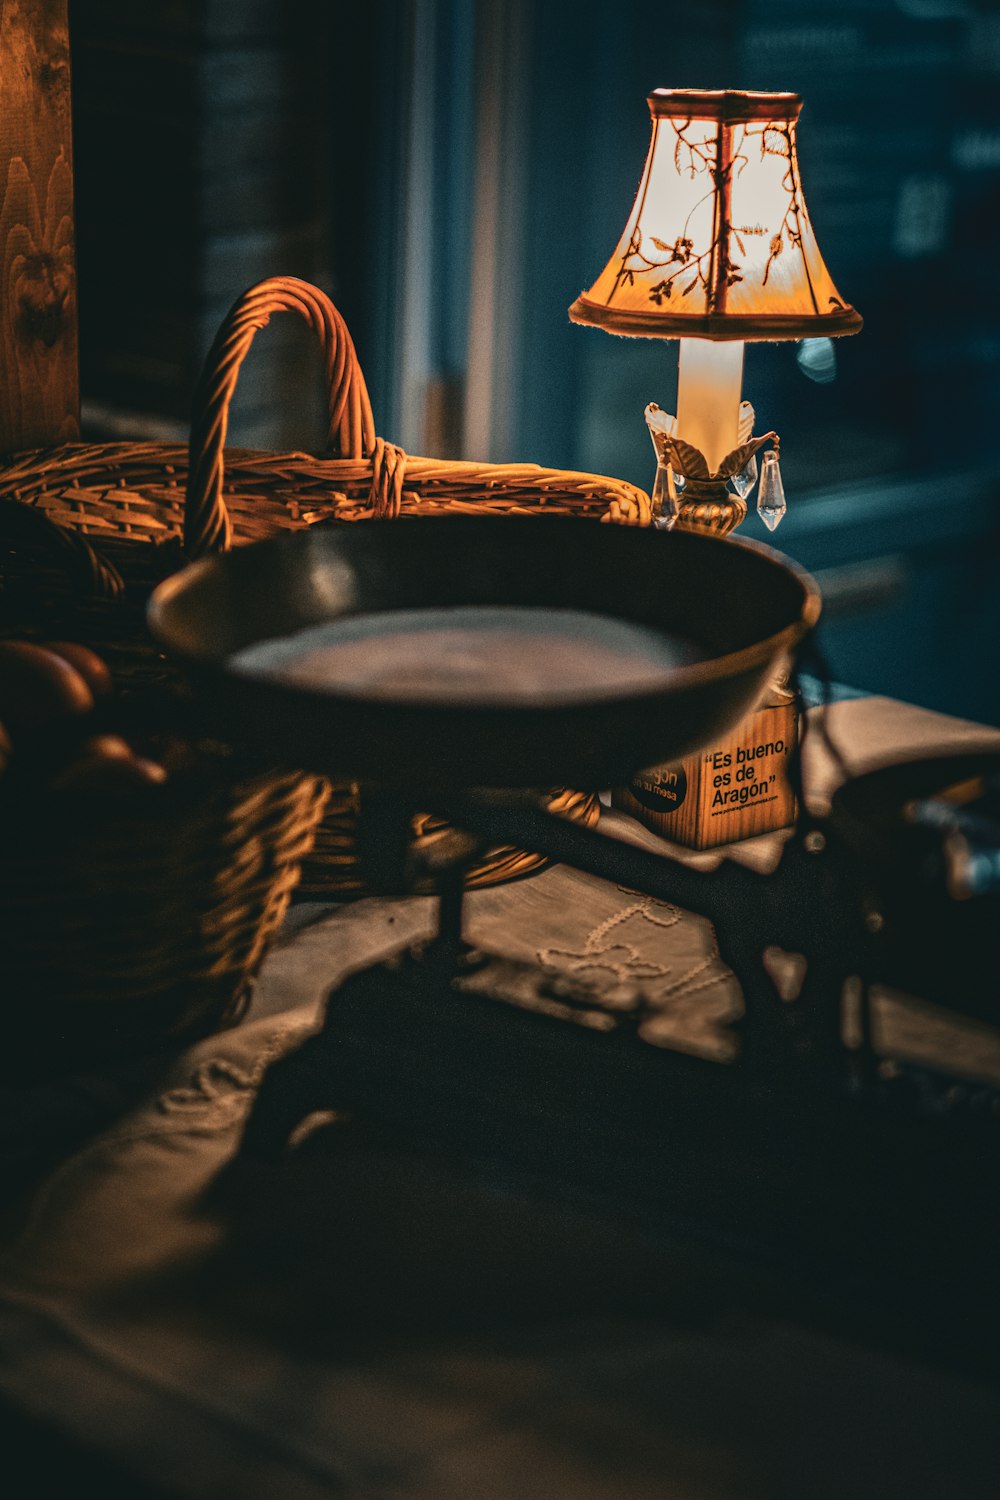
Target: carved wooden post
x=39, y=388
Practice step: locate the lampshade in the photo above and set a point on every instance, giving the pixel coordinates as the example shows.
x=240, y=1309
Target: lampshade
x=718, y=244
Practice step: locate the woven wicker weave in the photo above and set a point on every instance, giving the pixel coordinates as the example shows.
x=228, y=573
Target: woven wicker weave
x=139, y=501
x=128, y=920
x=131, y=923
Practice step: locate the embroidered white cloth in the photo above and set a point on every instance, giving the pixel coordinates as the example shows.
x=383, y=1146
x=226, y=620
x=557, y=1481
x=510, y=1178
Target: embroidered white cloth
x=253, y=1338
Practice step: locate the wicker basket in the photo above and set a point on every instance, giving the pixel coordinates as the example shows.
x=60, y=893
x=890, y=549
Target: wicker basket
x=148, y=508
x=129, y=921
x=135, y=923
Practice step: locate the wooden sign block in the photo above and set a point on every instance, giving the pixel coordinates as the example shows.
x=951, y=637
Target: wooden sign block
x=731, y=790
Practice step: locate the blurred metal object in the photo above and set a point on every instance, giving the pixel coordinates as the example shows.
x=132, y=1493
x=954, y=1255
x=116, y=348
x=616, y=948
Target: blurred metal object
x=732, y=611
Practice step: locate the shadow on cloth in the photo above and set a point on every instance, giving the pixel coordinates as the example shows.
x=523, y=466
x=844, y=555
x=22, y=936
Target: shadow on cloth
x=349, y=1238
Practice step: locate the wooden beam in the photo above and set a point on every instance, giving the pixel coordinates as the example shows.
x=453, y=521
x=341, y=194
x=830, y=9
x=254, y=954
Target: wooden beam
x=39, y=387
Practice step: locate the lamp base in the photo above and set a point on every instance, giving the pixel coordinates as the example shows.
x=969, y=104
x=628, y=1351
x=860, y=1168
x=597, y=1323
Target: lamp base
x=689, y=497
x=731, y=790
x=708, y=505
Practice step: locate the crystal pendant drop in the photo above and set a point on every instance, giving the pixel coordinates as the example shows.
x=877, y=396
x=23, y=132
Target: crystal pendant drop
x=664, y=498
x=666, y=486
x=771, y=495
x=744, y=481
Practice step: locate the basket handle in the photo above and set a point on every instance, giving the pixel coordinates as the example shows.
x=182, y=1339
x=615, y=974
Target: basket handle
x=351, y=433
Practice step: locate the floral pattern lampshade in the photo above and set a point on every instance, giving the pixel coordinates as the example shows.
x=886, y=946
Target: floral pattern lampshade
x=719, y=244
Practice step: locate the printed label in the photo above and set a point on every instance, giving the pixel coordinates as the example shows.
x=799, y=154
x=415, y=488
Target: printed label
x=662, y=788
x=744, y=774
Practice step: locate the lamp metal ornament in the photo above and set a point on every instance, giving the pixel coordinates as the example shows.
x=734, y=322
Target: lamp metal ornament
x=718, y=249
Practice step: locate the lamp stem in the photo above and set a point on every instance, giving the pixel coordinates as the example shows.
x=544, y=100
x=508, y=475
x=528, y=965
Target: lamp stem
x=709, y=384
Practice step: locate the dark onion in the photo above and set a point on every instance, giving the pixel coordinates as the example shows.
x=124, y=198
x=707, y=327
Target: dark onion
x=39, y=687
x=91, y=667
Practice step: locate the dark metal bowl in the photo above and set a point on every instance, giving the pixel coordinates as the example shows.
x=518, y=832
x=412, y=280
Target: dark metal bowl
x=742, y=606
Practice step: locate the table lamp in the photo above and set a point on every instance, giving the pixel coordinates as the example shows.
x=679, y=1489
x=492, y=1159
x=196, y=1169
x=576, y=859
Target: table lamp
x=718, y=249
